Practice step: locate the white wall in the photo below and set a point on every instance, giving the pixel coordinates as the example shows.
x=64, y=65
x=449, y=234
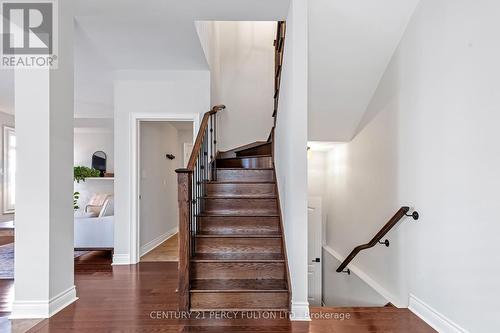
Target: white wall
x=430, y=142
x=5, y=120
x=159, y=210
x=342, y=290
x=88, y=141
x=291, y=152
x=180, y=94
x=241, y=59
x=350, y=44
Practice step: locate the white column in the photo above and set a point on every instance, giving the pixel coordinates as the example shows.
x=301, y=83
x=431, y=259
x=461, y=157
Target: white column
x=44, y=278
x=291, y=153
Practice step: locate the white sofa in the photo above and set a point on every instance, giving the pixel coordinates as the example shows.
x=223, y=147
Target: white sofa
x=95, y=233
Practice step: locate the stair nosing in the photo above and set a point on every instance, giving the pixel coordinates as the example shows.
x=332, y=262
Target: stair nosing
x=209, y=197
x=238, y=291
x=238, y=182
x=238, y=236
x=243, y=157
x=237, y=215
x=238, y=260
x=241, y=309
x=245, y=168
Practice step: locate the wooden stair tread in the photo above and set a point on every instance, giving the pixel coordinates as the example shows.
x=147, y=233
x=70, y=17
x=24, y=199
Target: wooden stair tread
x=237, y=182
x=232, y=214
x=248, y=146
x=261, y=234
x=242, y=157
x=238, y=257
x=238, y=197
x=234, y=151
x=239, y=285
x=212, y=235
x=234, y=310
x=244, y=169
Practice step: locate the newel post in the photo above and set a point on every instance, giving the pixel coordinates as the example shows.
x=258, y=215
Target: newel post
x=184, y=179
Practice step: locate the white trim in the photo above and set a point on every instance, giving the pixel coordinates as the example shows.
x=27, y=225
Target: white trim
x=300, y=311
x=43, y=309
x=5, y=171
x=146, y=248
x=92, y=130
x=432, y=317
x=134, y=121
x=390, y=297
x=121, y=259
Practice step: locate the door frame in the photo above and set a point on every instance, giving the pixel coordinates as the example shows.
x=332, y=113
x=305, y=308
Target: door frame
x=134, y=164
x=316, y=202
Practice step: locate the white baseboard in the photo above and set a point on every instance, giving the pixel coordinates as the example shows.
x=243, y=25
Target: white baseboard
x=432, y=317
x=146, y=248
x=300, y=311
x=367, y=279
x=43, y=309
x=121, y=259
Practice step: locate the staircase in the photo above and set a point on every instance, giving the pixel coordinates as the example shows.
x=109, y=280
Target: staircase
x=239, y=261
x=232, y=252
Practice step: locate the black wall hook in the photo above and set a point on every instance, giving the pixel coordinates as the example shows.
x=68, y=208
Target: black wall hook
x=415, y=215
x=170, y=156
x=386, y=242
x=347, y=271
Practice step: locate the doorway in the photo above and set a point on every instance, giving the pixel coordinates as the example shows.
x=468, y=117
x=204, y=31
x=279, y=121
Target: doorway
x=314, y=253
x=162, y=147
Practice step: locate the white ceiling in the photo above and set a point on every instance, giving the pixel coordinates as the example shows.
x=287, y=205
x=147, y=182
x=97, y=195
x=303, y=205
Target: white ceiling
x=350, y=45
x=116, y=35
x=158, y=35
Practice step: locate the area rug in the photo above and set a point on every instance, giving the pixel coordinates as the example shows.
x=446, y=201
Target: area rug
x=7, y=261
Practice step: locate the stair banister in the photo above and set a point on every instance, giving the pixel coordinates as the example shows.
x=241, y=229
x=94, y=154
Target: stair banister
x=402, y=212
x=190, y=186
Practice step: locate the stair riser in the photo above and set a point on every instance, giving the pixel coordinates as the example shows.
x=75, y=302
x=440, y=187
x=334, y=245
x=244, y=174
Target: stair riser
x=249, y=162
x=260, y=150
x=241, y=206
x=239, y=300
x=219, y=189
x=238, y=245
x=235, y=226
x=238, y=270
x=244, y=175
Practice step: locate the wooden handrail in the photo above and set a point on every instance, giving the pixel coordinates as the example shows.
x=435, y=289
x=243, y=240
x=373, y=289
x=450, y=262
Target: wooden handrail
x=279, y=47
x=191, y=186
x=199, y=139
x=402, y=212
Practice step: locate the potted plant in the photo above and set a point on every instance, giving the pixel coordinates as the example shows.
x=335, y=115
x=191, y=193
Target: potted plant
x=82, y=172
x=76, y=196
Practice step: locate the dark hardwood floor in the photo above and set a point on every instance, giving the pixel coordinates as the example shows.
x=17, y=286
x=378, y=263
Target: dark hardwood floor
x=141, y=298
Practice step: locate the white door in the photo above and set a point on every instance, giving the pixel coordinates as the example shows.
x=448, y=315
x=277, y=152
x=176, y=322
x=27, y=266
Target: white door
x=314, y=262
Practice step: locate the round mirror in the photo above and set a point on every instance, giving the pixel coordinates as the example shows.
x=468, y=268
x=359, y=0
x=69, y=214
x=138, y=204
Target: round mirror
x=99, y=162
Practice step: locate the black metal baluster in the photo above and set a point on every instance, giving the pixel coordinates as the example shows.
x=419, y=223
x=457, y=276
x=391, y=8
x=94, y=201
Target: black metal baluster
x=211, y=145
x=207, y=162
x=193, y=212
x=200, y=199
x=215, y=146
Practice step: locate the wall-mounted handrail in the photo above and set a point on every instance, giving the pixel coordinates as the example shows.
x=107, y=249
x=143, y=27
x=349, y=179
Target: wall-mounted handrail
x=402, y=212
x=191, y=182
